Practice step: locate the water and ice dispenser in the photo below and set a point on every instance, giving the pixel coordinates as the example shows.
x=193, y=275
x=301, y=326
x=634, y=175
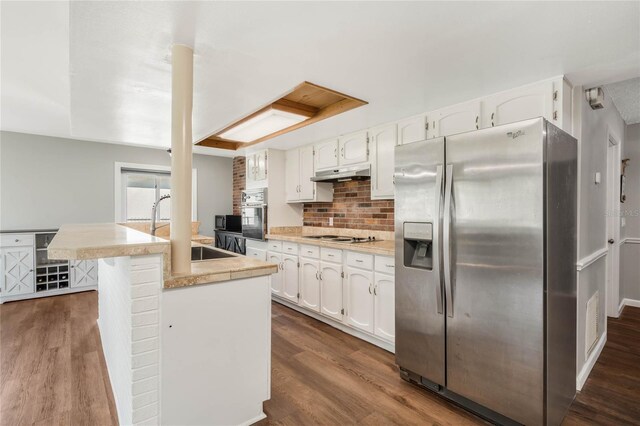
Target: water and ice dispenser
x=418, y=245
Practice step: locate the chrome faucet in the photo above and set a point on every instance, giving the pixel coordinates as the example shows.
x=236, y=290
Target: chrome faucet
x=154, y=209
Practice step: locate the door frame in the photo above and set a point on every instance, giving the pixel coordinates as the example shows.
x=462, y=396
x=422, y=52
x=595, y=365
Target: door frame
x=613, y=224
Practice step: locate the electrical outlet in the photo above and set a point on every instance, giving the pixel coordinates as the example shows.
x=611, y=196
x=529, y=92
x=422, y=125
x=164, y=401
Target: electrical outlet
x=330, y=221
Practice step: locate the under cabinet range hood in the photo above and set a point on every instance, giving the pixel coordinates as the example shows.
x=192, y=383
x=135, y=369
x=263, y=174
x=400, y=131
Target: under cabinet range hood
x=343, y=174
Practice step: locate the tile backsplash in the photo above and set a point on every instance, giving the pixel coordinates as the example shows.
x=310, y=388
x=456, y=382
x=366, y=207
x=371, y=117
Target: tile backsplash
x=239, y=181
x=352, y=207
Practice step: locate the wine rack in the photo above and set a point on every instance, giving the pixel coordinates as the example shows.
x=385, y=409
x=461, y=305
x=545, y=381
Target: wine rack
x=51, y=274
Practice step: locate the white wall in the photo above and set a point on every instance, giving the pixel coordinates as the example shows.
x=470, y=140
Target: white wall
x=591, y=128
x=630, y=250
x=46, y=182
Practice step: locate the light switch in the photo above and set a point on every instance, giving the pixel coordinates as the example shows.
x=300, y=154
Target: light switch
x=330, y=221
x=597, y=179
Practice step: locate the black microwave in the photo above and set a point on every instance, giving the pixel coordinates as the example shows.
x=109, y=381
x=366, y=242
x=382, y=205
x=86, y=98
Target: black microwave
x=228, y=222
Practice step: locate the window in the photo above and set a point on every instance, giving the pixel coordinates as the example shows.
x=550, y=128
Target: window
x=138, y=186
x=142, y=189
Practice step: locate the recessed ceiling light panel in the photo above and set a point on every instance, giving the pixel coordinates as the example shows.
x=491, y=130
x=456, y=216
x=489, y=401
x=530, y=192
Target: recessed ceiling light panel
x=264, y=123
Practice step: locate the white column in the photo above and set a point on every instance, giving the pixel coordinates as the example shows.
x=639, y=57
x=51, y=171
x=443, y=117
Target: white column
x=181, y=156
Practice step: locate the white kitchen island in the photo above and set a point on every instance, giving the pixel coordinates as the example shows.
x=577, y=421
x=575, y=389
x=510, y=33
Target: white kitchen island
x=190, y=349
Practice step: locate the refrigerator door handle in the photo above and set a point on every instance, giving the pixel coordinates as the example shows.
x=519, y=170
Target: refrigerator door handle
x=437, y=233
x=446, y=246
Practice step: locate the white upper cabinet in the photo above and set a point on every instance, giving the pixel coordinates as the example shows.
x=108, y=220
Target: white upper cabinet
x=299, y=169
x=16, y=270
x=384, y=313
x=326, y=155
x=277, y=278
x=359, y=298
x=292, y=174
x=331, y=290
x=523, y=103
x=256, y=170
x=310, y=284
x=412, y=129
x=354, y=148
x=382, y=142
x=459, y=118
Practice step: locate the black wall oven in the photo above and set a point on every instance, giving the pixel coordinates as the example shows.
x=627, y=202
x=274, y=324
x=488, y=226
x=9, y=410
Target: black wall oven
x=254, y=214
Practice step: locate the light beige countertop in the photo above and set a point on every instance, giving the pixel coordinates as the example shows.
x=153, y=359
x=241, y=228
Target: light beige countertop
x=384, y=247
x=102, y=240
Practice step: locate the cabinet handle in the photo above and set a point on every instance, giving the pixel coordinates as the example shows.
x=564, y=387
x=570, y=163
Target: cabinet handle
x=359, y=260
x=317, y=276
x=477, y=119
x=389, y=266
x=309, y=251
x=342, y=152
x=17, y=240
x=375, y=293
x=370, y=288
x=335, y=152
x=330, y=255
x=492, y=115
x=320, y=276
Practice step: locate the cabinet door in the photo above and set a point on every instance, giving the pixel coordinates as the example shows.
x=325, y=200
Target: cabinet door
x=16, y=271
x=290, y=289
x=359, y=298
x=385, y=310
x=310, y=284
x=412, y=129
x=519, y=104
x=277, y=278
x=326, y=154
x=307, y=188
x=251, y=169
x=459, y=118
x=84, y=273
x=331, y=290
x=292, y=174
x=261, y=166
x=354, y=148
x=382, y=141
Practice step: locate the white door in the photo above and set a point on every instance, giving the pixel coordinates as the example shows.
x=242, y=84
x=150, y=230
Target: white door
x=306, y=173
x=84, y=273
x=310, y=284
x=292, y=174
x=613, y=228
x=326, y=154
x=331, y=290
x=385, y=310
x=459, y=118
x=277, y=278
x=353, y=148
x=382, y=141
x=412, y=129
x=290, y=289
x=519, y=104
x=17, y=271
x=359, y=298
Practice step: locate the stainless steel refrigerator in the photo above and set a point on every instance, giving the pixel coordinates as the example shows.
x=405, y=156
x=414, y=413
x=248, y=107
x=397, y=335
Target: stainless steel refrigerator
x=486, y=269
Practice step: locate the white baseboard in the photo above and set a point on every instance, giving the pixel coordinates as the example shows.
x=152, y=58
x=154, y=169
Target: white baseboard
x=591, y=361
x=628, y=302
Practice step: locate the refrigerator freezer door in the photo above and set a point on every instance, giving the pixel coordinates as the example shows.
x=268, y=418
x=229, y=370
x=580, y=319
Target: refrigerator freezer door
x=495, y=335
x=420, y=324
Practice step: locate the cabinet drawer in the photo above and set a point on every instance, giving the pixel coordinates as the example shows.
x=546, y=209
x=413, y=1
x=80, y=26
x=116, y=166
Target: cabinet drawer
x=257, y=254
x=331, y=255
x=310, y=251
x=289, y=248
x=385, y=264
x=360, y=260
x=274, y=245
x=14, y=240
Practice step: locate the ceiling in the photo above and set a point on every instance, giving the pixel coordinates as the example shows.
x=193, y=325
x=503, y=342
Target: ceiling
x=626, y=97
x=100, y=71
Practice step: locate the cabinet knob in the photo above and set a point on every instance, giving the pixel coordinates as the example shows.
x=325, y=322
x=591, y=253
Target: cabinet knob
x=17, y=240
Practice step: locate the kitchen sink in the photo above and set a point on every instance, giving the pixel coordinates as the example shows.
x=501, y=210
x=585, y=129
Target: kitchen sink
x=207, y=253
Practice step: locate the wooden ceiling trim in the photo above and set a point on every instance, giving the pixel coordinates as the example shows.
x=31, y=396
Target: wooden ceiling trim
x=308, y=99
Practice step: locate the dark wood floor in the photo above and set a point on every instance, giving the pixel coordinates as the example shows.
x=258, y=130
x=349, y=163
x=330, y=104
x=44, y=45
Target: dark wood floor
x=52, y=372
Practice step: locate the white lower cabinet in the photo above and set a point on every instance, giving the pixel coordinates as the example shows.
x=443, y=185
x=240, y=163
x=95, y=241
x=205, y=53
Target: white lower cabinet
x=84, y=273
x=290, y=288
x=310, y=284
x=359, y=298
x=331, y=290
x=256, y=253
x=384, y=306
x=277, y=278
x=17, y=271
